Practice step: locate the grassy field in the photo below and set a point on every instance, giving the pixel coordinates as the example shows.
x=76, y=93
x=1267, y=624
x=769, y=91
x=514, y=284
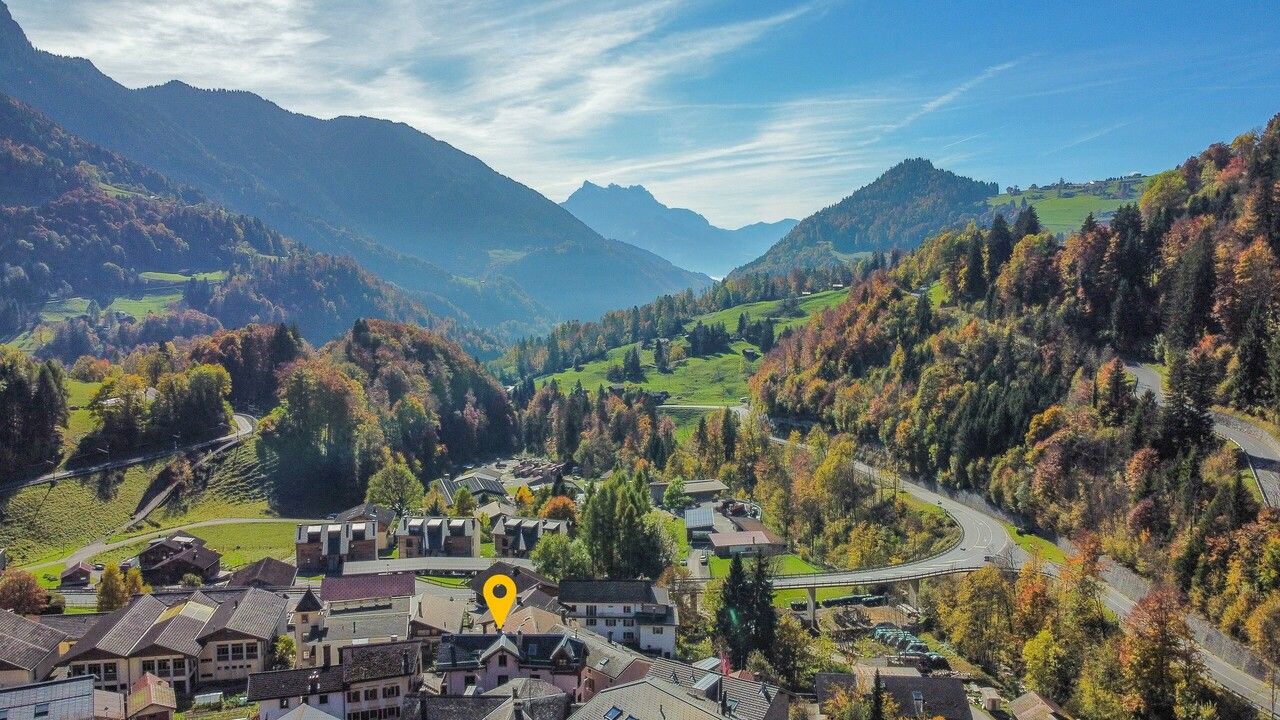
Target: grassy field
x=44, y=523
x=239, y=543
x=1063, y=210
x=1036, y=544
x=686, y=420
x=62, y=309
x=787, y=564
x=678, y=533
x=811, y=305
x=712, y=380
x=173, y=277
x=156, y=303
x=79, y=421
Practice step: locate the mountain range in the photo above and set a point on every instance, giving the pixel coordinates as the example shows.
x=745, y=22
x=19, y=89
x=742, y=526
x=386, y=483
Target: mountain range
x=632, y=215
x=468, y=241
x=909, y=202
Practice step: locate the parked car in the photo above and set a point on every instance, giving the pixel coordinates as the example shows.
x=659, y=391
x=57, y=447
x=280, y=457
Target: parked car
x=702, y=557
x=99, y=567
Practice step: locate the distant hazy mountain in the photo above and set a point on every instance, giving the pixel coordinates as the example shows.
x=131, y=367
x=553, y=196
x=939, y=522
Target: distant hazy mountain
x=632, y=215
x=412, y=209
x=910, y=201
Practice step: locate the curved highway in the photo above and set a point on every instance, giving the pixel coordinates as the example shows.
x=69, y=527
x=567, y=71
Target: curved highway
x=1262, y=450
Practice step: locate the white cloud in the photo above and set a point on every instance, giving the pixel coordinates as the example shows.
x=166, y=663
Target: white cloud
x=544, y=93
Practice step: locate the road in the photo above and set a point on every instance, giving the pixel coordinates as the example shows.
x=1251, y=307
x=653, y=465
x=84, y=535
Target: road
x=984, y=536
x=244, y=427
x=1262, y=450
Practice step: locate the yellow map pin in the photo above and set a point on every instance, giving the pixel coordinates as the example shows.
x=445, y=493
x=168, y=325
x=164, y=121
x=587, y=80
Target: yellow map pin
x=500, y=595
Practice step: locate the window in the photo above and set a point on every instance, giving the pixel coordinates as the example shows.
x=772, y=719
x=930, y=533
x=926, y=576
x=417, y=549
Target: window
x=223, y=653
x=628, y=622
x=610, y=622
x=657, y=630
x=149, y=666
x=591, y=611
x=251, y=651
x=4, y=714
x=162, y=667
x=591, y=622
x=353, y=696
x=42, y=710
x=284, y=703
x=503, y=679
x=179, y=667
x=237, y=652
x=77, y=670
x=391, y=691
x=371, y=693
x=324, y=699
x=628, y=635
x=109, y=671
x=613, y=714
x=502, y=660
x=626, y=609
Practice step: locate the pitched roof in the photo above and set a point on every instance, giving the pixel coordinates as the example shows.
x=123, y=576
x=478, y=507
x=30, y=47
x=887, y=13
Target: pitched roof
x=149, y=691
x=265, y=573
x=701, y=516
x=523, y=577
x=607, y=591
x=28, y=645
x=306, y=712
x=742, y=537
x=478, y=483
x=1034, y=706
x=347, y=625
x=444, y=613
x=941, y=696
x=468, y=651
x=649, y=698
x=179, y=621
x=196, y=556
x=610, y=658
x=749, y=699
x=368, y=511
x=277, y=684
x=75, y=568
x=309, y=602
x=347, y=588
x=74, y=626
x=362, y=663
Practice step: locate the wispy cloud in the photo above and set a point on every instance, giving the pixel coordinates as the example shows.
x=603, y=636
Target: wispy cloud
x=1090, y=136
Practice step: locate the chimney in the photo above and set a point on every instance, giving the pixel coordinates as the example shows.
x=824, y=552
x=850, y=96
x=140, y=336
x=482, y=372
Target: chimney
x=724, y=700
x=313, y=683
x=517, y=709
x=404, y=664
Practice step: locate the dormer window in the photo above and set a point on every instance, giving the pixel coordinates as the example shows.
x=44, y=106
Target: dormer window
x=613, y=714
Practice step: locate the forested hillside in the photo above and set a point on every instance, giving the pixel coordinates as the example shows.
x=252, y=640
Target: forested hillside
x=900, y=208
x=110, y=254
x=1013, y=385
x=412, y=209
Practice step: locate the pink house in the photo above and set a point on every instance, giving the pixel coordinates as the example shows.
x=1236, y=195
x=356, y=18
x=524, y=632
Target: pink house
x=484, y=662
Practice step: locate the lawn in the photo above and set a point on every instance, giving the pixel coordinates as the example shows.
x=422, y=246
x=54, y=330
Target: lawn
x=44, y=523
x=1064, y=212
x=56, y=310
x=686, y=420
x=79, y=421
x=787, y=564
x=678, y=533
x=149, y=303
x=239, y=543
x=173, y=277
x=810, y=305
x=1033, y=544
x=712, y=380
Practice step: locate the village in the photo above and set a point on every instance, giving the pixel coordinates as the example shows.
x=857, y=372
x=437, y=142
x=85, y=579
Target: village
x=382, y=616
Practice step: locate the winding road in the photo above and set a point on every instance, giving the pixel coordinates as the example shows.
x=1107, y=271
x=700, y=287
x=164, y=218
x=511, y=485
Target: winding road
x=983, y=537
x=1263, y=451
x=244, y=427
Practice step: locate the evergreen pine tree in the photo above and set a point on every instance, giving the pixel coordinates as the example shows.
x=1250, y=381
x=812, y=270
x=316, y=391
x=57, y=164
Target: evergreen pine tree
x=732, y=623
x=999, y=247
x=877, y=698
x=1027, y=223
x=975, y=280
x=1247, y=378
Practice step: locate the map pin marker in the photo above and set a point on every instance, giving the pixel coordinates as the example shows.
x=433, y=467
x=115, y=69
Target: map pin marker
x=500, y=595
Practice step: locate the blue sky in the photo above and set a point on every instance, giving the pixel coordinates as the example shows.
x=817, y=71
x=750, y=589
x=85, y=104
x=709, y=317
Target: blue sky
x=743, y=111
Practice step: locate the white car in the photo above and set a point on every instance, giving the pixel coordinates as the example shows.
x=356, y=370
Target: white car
x=702, y=557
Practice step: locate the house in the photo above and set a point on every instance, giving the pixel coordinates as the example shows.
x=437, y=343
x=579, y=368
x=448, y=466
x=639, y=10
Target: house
x=746, y=542
x=28, y=650
x=151, y=698
x=162, y=548
x=385, y=518
x=699, y=491
x=471, y=664
x=364, y=592
x=609, y=664
x=742, y=698
x=915, y=694
x=63, y=699
x=517, y=537
x=520, y=699
x=524, y=619
x=265, y=574
x=497, y=510
x=306, y=712
x=323, y=642
x=436, y=536
x=76, y=575
x=1034, y=706
x=369, y=682
x=633, y=612
x=484, y=485
x=699, y=522
x=523, y=577
x=325, y=548
x=198, y=560
x=434, y=617
x=186, y=638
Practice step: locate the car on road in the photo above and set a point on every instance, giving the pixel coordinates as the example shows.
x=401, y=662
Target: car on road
x=99, y=567
x=702, y=557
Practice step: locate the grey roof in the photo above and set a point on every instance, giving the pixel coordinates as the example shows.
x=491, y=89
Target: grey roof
x=362, y=663
x=306, y=712
x=458, y=707
x=696, y=518
x=1034, y=706
x=265, y=573
x=368, y=511
x=521, y=573
x=534, y=650
x=362, y=625
x=74, y=626
x=649, y=698
x=607, y=591
x=309, y=602
x=751, y=700
x=603, y=656
x=438, y=565
x=278, y=684
x=27, y=645
x=444, y=613
x=478, y=483
x=346, y=588
x=943, y=696
x=179, y=622
x=196, y=556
